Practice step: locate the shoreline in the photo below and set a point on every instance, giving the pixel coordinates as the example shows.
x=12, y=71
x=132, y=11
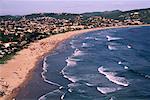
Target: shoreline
x=21, y=69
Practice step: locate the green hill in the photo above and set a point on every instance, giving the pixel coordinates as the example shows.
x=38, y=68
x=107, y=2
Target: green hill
x=138, y=14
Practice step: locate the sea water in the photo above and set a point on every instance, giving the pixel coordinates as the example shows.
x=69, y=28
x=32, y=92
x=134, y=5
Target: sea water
x=111, y=64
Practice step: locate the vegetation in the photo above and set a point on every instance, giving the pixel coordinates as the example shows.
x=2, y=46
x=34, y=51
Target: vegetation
x=116, y=14
x=143, y=14
x=7, y=57
x=16, y=32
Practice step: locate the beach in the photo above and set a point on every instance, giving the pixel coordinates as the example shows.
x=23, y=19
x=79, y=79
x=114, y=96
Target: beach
x=18, y=70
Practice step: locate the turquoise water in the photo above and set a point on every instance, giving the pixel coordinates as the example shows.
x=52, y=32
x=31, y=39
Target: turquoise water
x=111, y=64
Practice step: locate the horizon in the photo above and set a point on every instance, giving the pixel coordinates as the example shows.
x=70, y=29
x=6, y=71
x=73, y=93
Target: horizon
x=70, y=12
x=25, y=7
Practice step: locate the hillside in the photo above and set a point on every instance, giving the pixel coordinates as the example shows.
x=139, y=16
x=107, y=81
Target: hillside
x=138, y=14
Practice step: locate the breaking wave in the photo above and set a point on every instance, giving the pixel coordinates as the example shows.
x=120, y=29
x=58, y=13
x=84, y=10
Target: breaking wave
x=45, y=67
x=89, y=38
x=78, y=52
x=106, y=90
x=85, y=45
x=110, y=47
x=109, y=38
x=111, y=76
x=71, y=62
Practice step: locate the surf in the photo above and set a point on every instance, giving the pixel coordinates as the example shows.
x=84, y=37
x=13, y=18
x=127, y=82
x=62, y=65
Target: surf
x=112, y=76
x=110, y=38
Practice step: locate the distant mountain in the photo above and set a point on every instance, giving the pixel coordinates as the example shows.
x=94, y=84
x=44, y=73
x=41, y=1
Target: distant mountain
x=138, y=14
x=141, y=14
x=36, y=15
x=107, y=14
x=54, y=15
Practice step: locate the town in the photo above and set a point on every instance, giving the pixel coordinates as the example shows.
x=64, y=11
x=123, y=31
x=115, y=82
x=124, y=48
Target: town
x=16, y=34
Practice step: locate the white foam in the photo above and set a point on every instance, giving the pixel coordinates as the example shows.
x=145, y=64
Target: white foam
x=72, y=41
x=88, y=38
x=67, y=76
x=72, y=85
x=106, y=90
x=119, y=62
x=71, y=62
x=70, y=90
x=60, y=87
x=72, y=44
x=85, y=45
x=88, y=84
x=42, y=97
x=126, y=67
x=111, y=98
x=111, y=76
x=78, y=52
x=45, y=65
x=128, y=46
x=62, y=97
x=109, y=38
x=110, y=47
x=123, y=63
x=97, y=39
x=71, y=78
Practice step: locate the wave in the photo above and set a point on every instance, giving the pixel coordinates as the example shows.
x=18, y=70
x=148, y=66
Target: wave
x=55, y=92
x=45, y=66
x=111, y=76
x=109, y=38
x=63, y=96
x=70, y=90
x=119, y=62
x=106, y=90
x=115, y=46
x=89, y=38
x=78, y=52
x=126, y=67
x=72, y=44
x=97, y=39
x=89, y=84
x=71, y=62
x=42, y=97
x=72, y=41
x=85, y=45
x=110, y=47
x=122, y=63
x=129, y=46
x=71, y=78
x=67, y=76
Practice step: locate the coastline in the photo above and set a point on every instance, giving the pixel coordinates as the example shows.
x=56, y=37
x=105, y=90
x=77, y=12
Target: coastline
x=20, y=68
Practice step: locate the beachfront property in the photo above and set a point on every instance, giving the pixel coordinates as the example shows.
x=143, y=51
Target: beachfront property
x=110, y=61
x=20, y=31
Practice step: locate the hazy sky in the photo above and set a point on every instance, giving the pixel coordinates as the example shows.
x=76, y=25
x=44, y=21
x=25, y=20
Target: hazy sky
x=21, y=7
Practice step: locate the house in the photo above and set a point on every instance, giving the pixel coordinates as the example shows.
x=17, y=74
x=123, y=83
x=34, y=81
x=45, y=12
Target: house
x=6, y=45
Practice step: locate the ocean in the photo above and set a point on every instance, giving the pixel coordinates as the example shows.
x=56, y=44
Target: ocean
x=110, y=64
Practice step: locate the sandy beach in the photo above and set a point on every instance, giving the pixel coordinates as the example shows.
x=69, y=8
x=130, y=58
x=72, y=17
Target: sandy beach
x=15, y=72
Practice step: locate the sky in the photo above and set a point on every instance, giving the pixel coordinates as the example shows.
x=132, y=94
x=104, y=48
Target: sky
x=23, y=7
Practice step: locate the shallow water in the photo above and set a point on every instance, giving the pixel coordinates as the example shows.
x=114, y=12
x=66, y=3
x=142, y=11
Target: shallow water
x=111, y=64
